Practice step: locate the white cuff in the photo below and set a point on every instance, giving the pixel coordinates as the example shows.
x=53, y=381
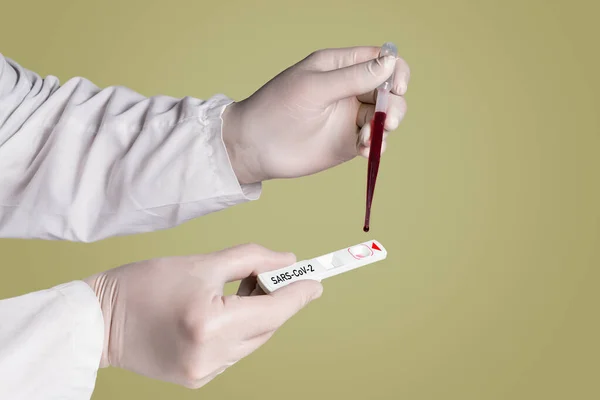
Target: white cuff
x=221, y=162
x=50, y=343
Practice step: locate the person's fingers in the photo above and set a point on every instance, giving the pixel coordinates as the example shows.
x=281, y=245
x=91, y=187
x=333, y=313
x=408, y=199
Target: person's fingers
x=363, y=137
x=203, y=381
x=353, y=80
x=395, y=113
x=401, y=77
x=399, y=88
x=254, y=343
x=368, y=98
x=257, y=291
x=335, y=58
x=365, y=114
x=364, y=140
x=261, y=314
x=246, y=260
x=247, y=286
x=364, y=151
x=339, y=58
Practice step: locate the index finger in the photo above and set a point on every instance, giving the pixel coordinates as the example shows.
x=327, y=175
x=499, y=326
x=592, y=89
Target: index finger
x=250, y=259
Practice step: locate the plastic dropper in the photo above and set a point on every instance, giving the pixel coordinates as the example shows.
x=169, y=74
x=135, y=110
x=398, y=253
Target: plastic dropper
x=377, y=128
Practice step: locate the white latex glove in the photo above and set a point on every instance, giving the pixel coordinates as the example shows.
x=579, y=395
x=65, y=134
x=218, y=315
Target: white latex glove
x=168, y=318
x=309, y=117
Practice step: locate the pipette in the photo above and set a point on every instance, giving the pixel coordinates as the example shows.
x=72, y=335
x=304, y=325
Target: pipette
x=377, y=128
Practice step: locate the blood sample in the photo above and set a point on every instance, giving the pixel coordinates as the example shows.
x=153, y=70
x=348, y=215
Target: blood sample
x=377, y=128
x=377, y=125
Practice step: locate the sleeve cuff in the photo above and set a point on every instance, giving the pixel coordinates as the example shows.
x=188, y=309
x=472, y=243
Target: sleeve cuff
x=87, y=336
x=51, y=343
x=220, y=158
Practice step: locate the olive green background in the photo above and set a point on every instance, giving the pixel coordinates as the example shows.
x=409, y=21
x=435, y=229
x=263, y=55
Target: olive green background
x=488, y=196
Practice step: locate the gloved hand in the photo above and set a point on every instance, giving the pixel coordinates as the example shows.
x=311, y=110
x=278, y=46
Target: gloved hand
x=309, y=117
x=168, y=318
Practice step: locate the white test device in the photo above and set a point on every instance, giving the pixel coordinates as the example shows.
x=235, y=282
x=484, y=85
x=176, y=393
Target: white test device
x=325, y=266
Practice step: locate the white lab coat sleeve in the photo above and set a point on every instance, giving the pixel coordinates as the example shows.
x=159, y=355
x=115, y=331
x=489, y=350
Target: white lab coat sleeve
x=51, y=344
x=82, y=163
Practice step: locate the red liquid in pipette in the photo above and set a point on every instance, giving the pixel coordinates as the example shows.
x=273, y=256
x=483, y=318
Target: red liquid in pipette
x=377, y=126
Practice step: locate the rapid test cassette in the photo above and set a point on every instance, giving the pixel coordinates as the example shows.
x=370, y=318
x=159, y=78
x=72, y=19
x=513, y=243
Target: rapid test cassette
x=325, y=266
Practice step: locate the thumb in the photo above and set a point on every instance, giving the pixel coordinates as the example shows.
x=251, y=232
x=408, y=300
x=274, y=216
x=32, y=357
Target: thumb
x=355, y=79
x=269, y=312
